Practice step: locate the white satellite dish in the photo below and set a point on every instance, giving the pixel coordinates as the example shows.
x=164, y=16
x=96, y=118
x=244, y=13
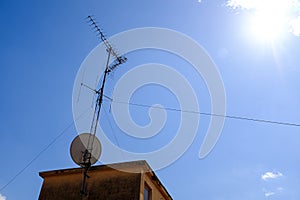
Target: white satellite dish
x=85, y=149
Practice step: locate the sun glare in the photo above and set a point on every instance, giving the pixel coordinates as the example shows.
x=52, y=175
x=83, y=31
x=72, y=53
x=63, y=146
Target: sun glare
x=270, y=19
x=268, y=25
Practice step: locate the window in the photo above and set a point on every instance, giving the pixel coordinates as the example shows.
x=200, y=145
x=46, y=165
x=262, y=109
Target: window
x=147, y=192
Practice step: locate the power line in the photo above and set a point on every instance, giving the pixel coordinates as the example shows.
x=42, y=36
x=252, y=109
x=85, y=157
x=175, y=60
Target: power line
x=37, y=156
x=111, y=128
x=211, y=114
x=41, y=152
x=146, y=106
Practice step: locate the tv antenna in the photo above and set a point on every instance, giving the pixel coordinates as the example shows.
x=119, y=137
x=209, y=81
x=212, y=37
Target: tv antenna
x=86, y=148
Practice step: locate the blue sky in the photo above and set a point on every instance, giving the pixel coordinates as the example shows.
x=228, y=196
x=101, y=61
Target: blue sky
x=44, y=43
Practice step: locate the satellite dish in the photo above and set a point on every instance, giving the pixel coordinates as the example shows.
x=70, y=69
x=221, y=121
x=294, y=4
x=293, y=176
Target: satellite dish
x=79, y=148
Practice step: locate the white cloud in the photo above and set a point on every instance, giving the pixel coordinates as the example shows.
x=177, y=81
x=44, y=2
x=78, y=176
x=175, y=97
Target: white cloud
x=271, y=175
x=244, y=4
x=2, y=197
x=280, y=189
x=263, y=4
x=272, y=192
x=267, y=194
x=295, y=26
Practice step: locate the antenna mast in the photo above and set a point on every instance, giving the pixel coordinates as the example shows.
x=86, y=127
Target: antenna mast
x=118, y=60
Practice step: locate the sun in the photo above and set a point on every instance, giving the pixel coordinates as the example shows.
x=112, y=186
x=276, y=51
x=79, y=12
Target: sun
x=270, y=20
x=268, y=25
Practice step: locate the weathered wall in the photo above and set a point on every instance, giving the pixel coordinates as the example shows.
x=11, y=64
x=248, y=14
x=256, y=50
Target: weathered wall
x=158, y=192
x=107, y=184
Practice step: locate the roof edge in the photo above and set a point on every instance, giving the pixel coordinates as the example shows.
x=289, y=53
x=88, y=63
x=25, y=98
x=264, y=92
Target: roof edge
x=130, y=167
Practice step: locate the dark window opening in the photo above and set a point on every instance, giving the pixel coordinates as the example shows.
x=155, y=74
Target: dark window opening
x=147, y=192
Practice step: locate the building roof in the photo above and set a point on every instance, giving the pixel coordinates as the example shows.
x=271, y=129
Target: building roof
x=133, y=166
x=113, y=181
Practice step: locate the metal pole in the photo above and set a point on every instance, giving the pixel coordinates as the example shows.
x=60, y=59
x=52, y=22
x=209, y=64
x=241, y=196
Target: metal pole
x=87, y=155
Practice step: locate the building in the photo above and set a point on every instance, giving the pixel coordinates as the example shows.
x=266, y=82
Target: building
x=129, y=181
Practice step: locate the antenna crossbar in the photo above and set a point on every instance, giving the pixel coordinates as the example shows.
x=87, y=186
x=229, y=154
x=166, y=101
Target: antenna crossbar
x=118, y=59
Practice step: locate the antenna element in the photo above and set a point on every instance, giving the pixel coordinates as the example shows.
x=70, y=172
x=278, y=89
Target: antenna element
x=118, y=59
